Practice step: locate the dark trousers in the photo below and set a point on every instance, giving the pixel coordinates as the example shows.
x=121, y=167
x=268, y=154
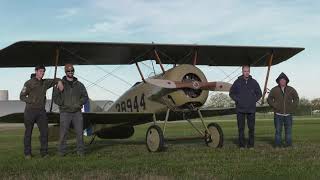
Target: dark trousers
x=38, y=116
x=66, y=119
x=251, y=118
x=286, y=122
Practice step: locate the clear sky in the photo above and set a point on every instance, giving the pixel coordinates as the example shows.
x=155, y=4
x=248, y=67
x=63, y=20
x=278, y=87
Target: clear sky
x=233, y=22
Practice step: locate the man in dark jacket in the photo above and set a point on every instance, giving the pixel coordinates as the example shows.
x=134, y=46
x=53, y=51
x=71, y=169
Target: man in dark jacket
x=245, y=91
x=34, y=95
x=70, y=101
x=284, y=100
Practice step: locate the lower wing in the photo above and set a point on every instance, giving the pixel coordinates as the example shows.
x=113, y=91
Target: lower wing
x=124, y=118
x=205, y=112
x=131, y=118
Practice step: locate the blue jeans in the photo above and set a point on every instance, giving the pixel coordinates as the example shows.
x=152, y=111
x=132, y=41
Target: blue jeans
x=279, y=122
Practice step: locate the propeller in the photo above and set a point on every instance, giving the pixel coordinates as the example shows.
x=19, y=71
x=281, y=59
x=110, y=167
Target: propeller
x=212, y=86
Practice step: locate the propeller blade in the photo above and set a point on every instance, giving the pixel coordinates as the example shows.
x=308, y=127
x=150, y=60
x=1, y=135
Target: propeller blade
x=212, y=86
x=216, y=86
x=162, y=83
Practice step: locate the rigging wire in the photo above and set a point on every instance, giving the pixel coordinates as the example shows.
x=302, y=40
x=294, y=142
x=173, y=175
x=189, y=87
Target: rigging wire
x=103, y=88
x=238, y=74
x=108, y=73
x=81, y=77
x=99, y=86
x=254, y=63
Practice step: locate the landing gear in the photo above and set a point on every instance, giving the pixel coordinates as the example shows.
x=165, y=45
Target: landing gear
x=154, y=139
x=92, y=139
x=214, y=136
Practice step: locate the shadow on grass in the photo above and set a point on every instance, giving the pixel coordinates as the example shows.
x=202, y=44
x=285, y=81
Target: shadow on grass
x=99, y=144
x=266, y=139
x=103, y=143
x=262, y=139
x=196, y=141
x=233, y=140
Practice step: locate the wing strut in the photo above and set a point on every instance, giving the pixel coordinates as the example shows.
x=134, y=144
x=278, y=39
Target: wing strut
x=195, y=58
x=158, y=60
x=140, y=72
x=267, y=78
x=55, y=73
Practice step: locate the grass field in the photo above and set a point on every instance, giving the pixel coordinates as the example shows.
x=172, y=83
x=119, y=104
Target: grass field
x=129, y=159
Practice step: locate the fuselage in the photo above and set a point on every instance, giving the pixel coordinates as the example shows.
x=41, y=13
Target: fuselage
x=145, y=97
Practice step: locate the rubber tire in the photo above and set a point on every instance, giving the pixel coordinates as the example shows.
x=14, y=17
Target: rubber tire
x=218, y=128
x=158, y=130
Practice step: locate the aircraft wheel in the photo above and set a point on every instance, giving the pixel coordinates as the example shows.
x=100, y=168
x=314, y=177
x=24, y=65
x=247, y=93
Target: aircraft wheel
x=214, y=138
x=154, y=139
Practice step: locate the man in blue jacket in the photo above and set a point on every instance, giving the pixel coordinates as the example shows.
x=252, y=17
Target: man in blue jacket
x=245, y=91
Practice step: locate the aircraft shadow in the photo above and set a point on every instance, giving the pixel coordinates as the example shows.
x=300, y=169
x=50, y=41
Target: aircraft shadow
x=99, y=144
x=103, y=143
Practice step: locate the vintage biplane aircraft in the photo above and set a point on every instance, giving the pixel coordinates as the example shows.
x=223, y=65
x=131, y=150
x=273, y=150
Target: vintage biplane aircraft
x=175, y=94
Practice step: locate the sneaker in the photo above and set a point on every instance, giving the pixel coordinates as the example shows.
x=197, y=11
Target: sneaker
x=27, y=157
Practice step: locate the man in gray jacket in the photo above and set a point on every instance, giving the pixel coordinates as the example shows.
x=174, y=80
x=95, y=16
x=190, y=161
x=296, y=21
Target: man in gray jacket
x=70, y=101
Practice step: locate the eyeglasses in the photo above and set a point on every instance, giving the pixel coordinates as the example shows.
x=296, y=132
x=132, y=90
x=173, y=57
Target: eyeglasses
x=70, y=71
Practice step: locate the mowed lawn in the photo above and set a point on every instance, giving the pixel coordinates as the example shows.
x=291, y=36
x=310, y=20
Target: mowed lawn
x=185, y=159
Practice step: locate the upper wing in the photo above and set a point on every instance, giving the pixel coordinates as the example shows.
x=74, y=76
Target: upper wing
x=122, y=118
x=31, y=53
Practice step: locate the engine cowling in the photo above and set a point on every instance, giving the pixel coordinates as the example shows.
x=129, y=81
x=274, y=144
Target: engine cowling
x=186, y=98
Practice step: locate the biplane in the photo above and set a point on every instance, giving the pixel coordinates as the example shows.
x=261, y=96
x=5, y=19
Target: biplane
x=174, y=94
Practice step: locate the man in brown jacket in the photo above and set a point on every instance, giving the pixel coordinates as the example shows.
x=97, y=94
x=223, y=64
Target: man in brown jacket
x=284, y=100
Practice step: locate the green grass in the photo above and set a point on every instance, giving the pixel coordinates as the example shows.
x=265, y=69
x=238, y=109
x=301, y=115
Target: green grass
x=129, y=159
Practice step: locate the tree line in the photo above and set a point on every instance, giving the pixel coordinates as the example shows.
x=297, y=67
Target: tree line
x=305, y=107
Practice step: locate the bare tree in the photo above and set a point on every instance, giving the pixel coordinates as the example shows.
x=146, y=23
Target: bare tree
x=220, y=100
x=315, y=104
x=304, y=107
x=304, y=102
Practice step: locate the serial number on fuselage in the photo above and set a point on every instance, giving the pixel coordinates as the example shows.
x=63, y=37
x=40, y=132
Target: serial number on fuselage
x=132, y=105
